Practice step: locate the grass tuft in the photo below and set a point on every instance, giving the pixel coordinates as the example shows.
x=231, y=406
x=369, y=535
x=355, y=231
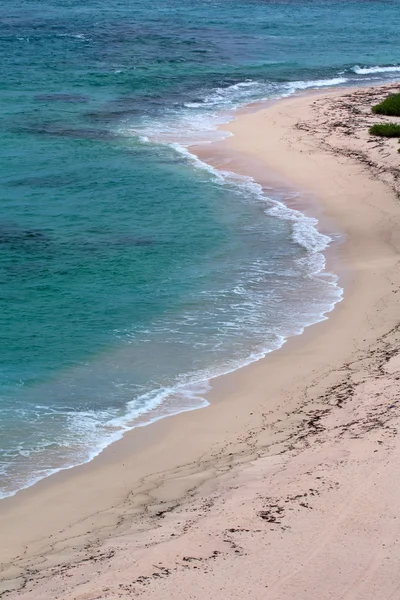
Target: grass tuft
x=385, y=129
x=389, y=107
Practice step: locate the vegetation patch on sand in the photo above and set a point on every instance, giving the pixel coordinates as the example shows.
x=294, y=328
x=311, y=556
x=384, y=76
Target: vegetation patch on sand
x=390, y=106
x=385, y=129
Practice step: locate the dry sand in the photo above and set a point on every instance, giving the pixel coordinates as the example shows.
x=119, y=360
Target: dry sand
x=287, y=486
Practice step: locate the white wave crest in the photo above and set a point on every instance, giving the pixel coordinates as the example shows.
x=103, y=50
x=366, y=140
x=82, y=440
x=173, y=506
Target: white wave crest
x=317, y=83
x=368, y=70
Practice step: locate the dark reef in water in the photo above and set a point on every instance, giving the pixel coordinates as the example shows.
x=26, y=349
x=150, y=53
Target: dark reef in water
x=17, y=237
x=61, y=130
x=93, y=245
x=45, y=181
x=61, y=98
x=13, y=235
x=104, y=116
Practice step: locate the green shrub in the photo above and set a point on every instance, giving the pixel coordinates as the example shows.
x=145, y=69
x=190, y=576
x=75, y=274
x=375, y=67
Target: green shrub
x=385, y=129
x=390, y=106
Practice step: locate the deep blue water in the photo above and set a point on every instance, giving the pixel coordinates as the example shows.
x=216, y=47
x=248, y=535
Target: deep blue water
x=130, y=273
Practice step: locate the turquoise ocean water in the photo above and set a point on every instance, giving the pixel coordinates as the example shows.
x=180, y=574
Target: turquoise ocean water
x=130, y=272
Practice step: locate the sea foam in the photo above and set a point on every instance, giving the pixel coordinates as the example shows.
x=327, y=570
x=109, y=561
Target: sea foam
x=377, y=69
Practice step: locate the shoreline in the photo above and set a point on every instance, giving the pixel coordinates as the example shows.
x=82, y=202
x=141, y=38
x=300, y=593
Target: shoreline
x=224, y=443
x=308, y=207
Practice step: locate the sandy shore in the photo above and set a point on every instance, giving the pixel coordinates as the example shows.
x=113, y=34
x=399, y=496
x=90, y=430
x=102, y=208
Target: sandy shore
x=286, y=486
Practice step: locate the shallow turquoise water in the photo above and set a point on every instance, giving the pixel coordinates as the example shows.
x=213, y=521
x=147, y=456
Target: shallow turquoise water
x=130, y=273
